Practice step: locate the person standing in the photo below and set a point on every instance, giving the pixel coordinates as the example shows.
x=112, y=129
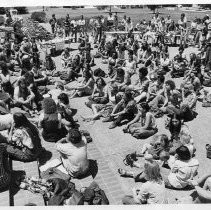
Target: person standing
x=82, y=23
x=53, y=23
x=67, y=26
x=116, y=21
x=129, y=25
x=74, y=27
x=99, y=27
x=110, y=21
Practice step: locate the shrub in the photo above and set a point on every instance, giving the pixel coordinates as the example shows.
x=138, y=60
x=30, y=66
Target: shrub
x=22, y=10
x=60, y=21
x=39, y=16
x=103, y=7
x=2, y=11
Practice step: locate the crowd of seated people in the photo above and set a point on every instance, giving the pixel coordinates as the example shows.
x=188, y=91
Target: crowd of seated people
x=136, y=88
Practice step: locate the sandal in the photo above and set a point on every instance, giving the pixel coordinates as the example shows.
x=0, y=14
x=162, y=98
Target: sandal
x=122, y=172
x=129, y=159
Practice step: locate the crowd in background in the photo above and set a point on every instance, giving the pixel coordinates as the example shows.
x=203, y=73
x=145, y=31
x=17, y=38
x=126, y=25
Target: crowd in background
x=137, y=86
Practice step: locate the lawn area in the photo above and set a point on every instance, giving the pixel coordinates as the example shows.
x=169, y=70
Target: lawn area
x=135, y=14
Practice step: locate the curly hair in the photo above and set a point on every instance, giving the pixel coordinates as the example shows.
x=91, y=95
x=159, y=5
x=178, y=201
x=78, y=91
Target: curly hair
x=143, y=71
x=74, y=136
x=49, y=106
x=171, y=83
x=145, y=106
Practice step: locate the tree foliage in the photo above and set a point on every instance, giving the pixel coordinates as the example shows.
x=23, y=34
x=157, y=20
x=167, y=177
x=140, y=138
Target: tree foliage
x=205, y=6
x=22, y=10
x=39, y=16
x=153, y=7
x=2, y=10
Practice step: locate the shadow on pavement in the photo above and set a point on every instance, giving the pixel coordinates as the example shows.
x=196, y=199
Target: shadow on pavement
x=93, y=169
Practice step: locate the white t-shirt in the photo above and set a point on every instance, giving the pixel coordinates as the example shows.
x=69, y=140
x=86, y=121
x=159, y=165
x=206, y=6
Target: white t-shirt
x=74, y=157
x=152, y=193
x=6, y=121
x=110, y=18
x=81, y=22
x=182, y=172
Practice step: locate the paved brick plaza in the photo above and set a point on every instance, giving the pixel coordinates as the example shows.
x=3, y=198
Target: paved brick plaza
x=109, y=148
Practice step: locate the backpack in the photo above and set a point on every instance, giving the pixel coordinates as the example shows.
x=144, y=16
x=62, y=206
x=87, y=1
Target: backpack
x=5, y=174
x=208, y=148
x=63, y=190
x=94, y=195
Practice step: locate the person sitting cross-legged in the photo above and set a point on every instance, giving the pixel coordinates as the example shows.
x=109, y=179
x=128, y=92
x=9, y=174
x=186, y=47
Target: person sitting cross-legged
x=125, y=109
x=73, y=151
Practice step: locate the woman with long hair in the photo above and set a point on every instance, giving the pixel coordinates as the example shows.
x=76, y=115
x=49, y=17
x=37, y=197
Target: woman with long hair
x=85, y=87
x=23, y=95
x=152, y=191
x=51, y=122
x=5, y=79
x=24, y=141
x=143, y=125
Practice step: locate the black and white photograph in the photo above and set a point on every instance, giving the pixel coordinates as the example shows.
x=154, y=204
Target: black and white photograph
x=105, y=104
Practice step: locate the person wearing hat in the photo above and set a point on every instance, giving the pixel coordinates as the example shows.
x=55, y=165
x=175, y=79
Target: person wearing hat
x=182, y=169
x=73, y=152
